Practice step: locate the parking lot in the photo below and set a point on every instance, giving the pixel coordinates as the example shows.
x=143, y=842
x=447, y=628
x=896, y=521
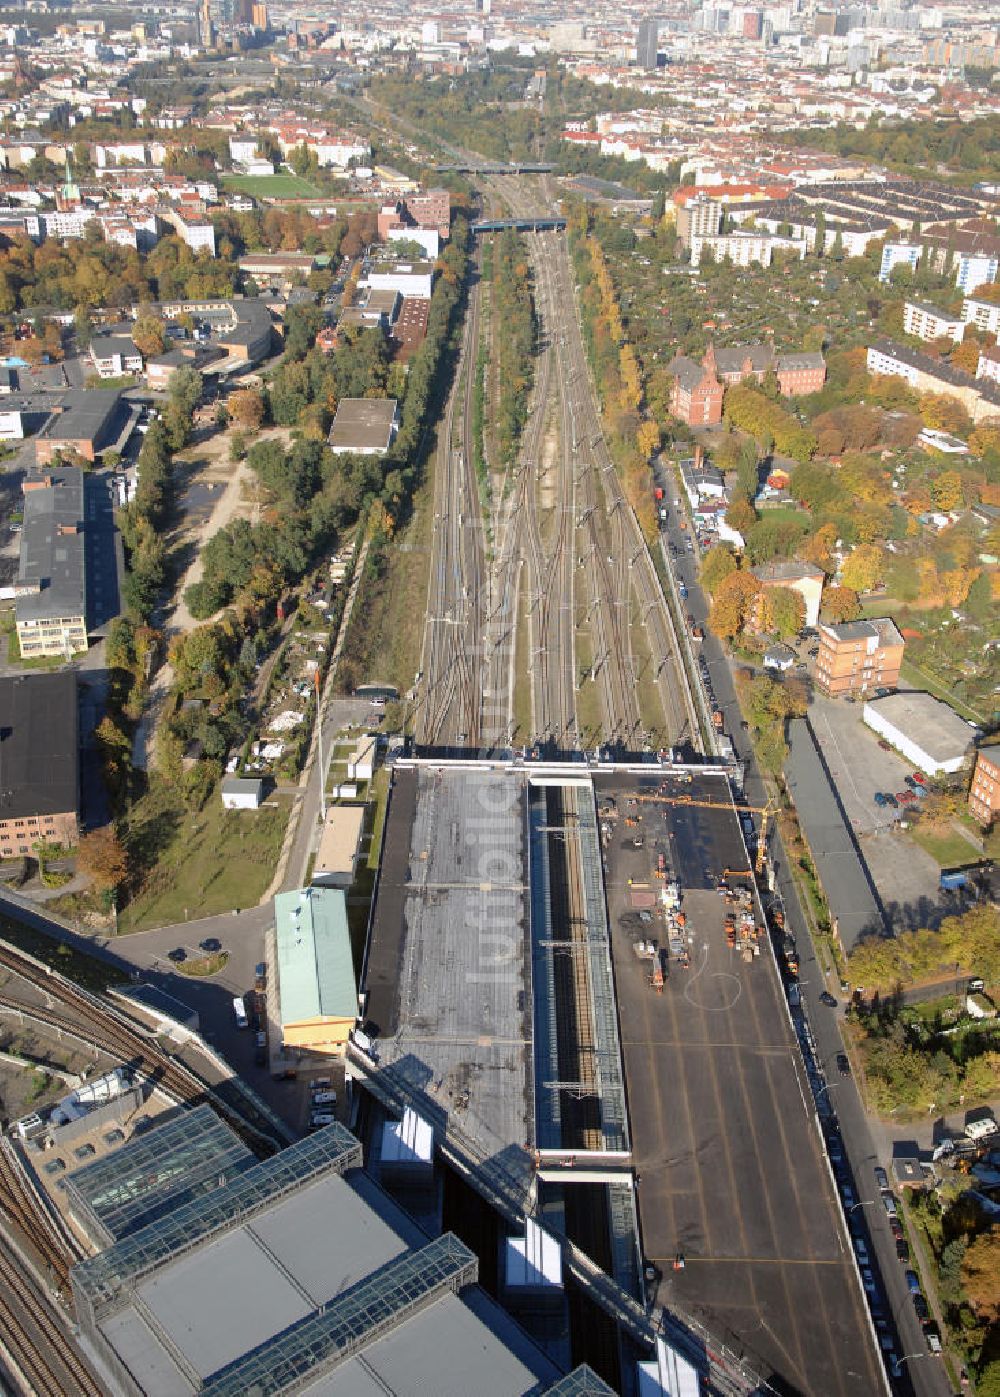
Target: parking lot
x=905, y=876
x=730, y=1167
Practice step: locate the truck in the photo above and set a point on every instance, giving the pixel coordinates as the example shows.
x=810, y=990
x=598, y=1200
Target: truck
x=791, y=955
x=240, y=1013
x=953, y=878
x=980, y=1129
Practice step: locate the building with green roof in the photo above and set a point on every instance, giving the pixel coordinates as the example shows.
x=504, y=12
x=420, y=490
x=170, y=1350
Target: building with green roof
x=317, y=988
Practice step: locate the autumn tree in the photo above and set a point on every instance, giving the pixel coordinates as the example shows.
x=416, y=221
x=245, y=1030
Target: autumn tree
x=718, y=564
x=741, y=515
x=981, y=1274
x=246, y=409
x=944, y=413
x=840, y=604
x=647, y=437
x=103, y=856
x=731, y=605
x=818, y=548
x=965, y=356
x=149, y=336
x=863, y=568
x=946, y=491
x=783, y=611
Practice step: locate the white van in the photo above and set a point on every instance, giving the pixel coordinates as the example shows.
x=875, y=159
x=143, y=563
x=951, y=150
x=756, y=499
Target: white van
x=324, y=1098
x=240, y=1013
x=320, y=1118
x=978, y=1130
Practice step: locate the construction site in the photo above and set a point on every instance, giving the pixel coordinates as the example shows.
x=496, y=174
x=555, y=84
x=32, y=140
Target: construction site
x=571, y=988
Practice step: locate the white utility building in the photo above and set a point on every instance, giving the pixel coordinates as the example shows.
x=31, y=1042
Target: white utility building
x=928, y=733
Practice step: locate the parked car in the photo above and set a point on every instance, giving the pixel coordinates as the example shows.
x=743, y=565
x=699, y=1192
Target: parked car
x=862, y=1250
x=880, y=799
x=891, y=800
x=843, y=1065
x=920, y=778
x=920, y=1306
x=177, y=955
x=912, y=1282
x=932, y=1337
x=211, y=944
x=881, y=1177
x=909, y=781
x=896, y=1228
x=906, y=798
x=902, y=1249
x=827, y=998
x=889, y=1204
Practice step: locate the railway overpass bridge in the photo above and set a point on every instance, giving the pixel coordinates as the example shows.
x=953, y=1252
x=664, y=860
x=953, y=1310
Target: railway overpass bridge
x=520, y=225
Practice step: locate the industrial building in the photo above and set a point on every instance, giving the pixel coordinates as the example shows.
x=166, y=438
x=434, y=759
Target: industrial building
x=317, y=993
x=295, y=1272
x=85, y=423
x=39, y=762
x=51, y=586
x=364, y=426
x=928, y=733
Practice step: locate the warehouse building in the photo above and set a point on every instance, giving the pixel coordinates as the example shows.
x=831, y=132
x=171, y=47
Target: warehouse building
x=294, y=1272
x=51, y=585
x=364, y=426
x=924, y=729
x=317, y=992
x=86, y=424
x=39, y=762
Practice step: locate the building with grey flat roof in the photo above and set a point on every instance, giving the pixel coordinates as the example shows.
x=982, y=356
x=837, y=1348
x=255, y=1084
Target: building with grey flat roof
x=295, y=1273
x=928, y=733
x=85, y=423
x=842, y=872
x=365, y=426
x=51, y=585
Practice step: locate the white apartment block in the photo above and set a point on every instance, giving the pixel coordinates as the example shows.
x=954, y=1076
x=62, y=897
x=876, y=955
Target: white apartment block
x=989, y=363
x=983, y=314
x=898, y=255
x=928, y=323
x=975, y=270
x=744, y=248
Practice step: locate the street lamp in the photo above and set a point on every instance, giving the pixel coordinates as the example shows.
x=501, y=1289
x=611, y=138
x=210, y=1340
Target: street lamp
x=870, y=1203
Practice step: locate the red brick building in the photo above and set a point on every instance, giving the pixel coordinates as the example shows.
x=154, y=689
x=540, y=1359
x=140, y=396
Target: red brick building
x=696, y=395
x=432, y=209
x=410, y=329
x=984, y=793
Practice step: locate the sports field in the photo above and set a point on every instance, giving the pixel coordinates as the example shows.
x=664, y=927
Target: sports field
x=281, y=186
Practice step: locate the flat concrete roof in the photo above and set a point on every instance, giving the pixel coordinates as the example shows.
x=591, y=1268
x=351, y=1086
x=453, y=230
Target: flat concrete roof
x=86, y=415
x=315, y=961
x=929, y=722
x=363, y=424
x=340, y=841
x=842, y=871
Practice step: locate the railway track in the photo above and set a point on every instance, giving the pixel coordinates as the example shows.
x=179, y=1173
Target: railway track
x=112, y=1032
x=33, y=1335
x=450, y=712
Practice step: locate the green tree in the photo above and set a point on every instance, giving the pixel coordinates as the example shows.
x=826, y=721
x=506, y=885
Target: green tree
x=716, y=566
x=862, y=569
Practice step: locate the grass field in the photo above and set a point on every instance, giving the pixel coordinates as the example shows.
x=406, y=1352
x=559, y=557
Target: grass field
x=205, y=863
x=945, y=844
x=281, y=186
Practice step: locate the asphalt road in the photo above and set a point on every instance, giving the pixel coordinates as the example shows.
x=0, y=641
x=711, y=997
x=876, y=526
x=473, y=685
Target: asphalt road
x=922, y=1374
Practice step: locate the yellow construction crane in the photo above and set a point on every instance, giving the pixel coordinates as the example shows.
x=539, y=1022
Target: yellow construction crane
x=764, y=811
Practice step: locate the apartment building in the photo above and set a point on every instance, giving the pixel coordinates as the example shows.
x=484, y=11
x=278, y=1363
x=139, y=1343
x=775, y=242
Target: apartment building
x=989, y=363
x=858, y=656
x=39, y=765
x=699, y=217
x=114, y=356
x=984, y=792
x=979, y=397
x=985, y=315
x=975, y=269
x=898, y=255
x=926, y=322
x=744, y=249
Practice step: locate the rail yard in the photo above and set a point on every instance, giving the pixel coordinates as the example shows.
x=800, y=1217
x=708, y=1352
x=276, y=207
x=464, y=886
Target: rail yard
x=578, y=561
